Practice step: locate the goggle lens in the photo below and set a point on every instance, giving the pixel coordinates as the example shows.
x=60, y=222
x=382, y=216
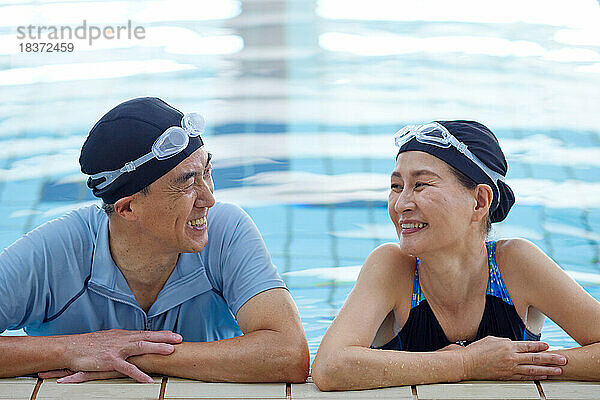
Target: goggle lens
x=403, y=135
x=430, y=133
x=171, y=142
x=194, y=123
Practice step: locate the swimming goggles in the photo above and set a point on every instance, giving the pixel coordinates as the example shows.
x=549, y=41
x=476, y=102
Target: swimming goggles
x=436, y=134
x=171, y=142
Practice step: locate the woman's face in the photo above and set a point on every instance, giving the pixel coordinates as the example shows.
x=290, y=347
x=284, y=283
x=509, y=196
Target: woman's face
x=429, y=207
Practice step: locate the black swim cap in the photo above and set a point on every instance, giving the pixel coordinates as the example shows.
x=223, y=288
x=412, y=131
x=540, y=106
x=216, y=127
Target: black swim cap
x=124, y=134
x=483, y=144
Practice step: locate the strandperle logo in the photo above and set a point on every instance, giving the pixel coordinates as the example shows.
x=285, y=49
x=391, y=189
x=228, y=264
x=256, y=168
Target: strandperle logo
x=83, y=31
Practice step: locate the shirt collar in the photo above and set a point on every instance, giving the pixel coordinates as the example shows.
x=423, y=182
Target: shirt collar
x=106, y=276
x=187, y=280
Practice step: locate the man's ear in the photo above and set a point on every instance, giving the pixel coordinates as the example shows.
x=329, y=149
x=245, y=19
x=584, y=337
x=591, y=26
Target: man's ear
x=124, y=209
x=483, y=201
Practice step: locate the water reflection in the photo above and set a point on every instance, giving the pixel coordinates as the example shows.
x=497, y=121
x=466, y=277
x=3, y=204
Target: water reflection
x=302, y=99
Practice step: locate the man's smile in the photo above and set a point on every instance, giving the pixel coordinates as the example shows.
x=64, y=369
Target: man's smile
x=198, y=223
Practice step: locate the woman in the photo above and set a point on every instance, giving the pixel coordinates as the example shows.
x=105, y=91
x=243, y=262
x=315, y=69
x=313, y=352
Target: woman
x=442, y=304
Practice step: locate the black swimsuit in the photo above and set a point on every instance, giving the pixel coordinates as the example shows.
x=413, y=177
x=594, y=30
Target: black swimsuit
x=422, y=331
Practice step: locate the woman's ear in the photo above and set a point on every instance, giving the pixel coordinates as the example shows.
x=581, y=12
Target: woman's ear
x=483, y=200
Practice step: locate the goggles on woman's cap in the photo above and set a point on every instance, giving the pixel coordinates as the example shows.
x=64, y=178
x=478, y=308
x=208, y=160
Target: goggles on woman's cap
x=171, y=142
x=436, y=134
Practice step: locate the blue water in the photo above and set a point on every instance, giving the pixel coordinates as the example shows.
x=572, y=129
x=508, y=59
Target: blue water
x=302, y=99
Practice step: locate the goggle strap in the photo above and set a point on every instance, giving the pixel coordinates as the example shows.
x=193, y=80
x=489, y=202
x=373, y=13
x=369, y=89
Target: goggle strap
x=495, y=176
x=414, y=131
x=111, y=176
x=133, y=165
x=193, y=128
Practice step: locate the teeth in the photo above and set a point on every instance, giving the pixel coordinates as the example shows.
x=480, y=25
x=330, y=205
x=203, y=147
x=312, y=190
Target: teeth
x=413, y=225
x=197, y=222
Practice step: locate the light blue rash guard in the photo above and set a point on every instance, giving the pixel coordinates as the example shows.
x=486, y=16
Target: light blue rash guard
x=61, y=279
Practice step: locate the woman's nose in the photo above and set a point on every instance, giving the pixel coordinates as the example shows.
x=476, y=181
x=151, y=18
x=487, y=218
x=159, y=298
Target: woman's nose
x=404, y=201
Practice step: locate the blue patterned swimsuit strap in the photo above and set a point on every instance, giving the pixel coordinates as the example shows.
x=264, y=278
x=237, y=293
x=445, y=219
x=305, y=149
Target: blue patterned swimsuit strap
x=496, y=285
x=417, y=294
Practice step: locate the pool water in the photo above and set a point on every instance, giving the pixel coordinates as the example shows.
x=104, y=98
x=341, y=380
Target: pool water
x=302, y=99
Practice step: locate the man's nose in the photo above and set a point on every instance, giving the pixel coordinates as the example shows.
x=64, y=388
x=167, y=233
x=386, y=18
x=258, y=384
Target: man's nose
x=205, y=197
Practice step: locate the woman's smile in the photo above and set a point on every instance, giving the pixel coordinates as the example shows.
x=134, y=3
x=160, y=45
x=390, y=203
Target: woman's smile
x=409, y=227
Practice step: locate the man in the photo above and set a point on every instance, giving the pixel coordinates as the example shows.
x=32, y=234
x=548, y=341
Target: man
x=161, y=280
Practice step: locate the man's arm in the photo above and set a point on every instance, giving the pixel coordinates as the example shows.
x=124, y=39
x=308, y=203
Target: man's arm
x=272, y=349
x=97, y=351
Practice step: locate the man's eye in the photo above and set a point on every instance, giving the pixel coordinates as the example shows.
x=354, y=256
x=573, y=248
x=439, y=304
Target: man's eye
x=420, y=184
x=188, y=183
x=396, y=187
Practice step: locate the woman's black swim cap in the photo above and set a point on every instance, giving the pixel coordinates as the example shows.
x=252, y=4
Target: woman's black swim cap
x=484, y=145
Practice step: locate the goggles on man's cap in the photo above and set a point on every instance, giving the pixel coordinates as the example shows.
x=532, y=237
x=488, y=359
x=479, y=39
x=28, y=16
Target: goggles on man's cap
x=171, y=142
x=436, y=134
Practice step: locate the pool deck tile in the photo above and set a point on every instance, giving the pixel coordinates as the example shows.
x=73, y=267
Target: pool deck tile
x=480, y=390
x=557, y=390
x=17, y=388
x=309, y=391
x=113, y=389
x=189, y=389
x=175, y=388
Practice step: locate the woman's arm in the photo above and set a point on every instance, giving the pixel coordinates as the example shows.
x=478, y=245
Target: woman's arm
x=549, y=289
x=345, y=361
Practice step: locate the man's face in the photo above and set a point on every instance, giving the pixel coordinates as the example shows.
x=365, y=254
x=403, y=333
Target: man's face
x=174, y=212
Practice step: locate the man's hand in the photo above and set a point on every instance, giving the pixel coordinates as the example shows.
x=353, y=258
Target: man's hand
x=502, y=359
x=68, y=376
x=106, y=352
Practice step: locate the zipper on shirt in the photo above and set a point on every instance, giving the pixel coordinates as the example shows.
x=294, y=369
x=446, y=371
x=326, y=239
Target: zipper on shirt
x=137, y=307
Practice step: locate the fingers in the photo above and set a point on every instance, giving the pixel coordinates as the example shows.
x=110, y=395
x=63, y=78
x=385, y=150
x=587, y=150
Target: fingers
x=542, y=359
x=74, y=378
x=451, y=346
x=85, y=376
x=161, y=337
x=533, y=371
x=141, y=347
x=528, y=378
x=132, y=371
x=530, y=346
x=57, y=373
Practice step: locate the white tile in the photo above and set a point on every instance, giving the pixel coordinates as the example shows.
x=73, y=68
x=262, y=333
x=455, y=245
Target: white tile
x=311, y=391
x=113, y=389
x=481, y=390
x=17, y=388
x=564, y=390
x=190, y=389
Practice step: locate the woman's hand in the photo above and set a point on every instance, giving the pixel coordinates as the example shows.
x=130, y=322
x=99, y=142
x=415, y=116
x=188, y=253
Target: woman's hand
x=503, y=359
